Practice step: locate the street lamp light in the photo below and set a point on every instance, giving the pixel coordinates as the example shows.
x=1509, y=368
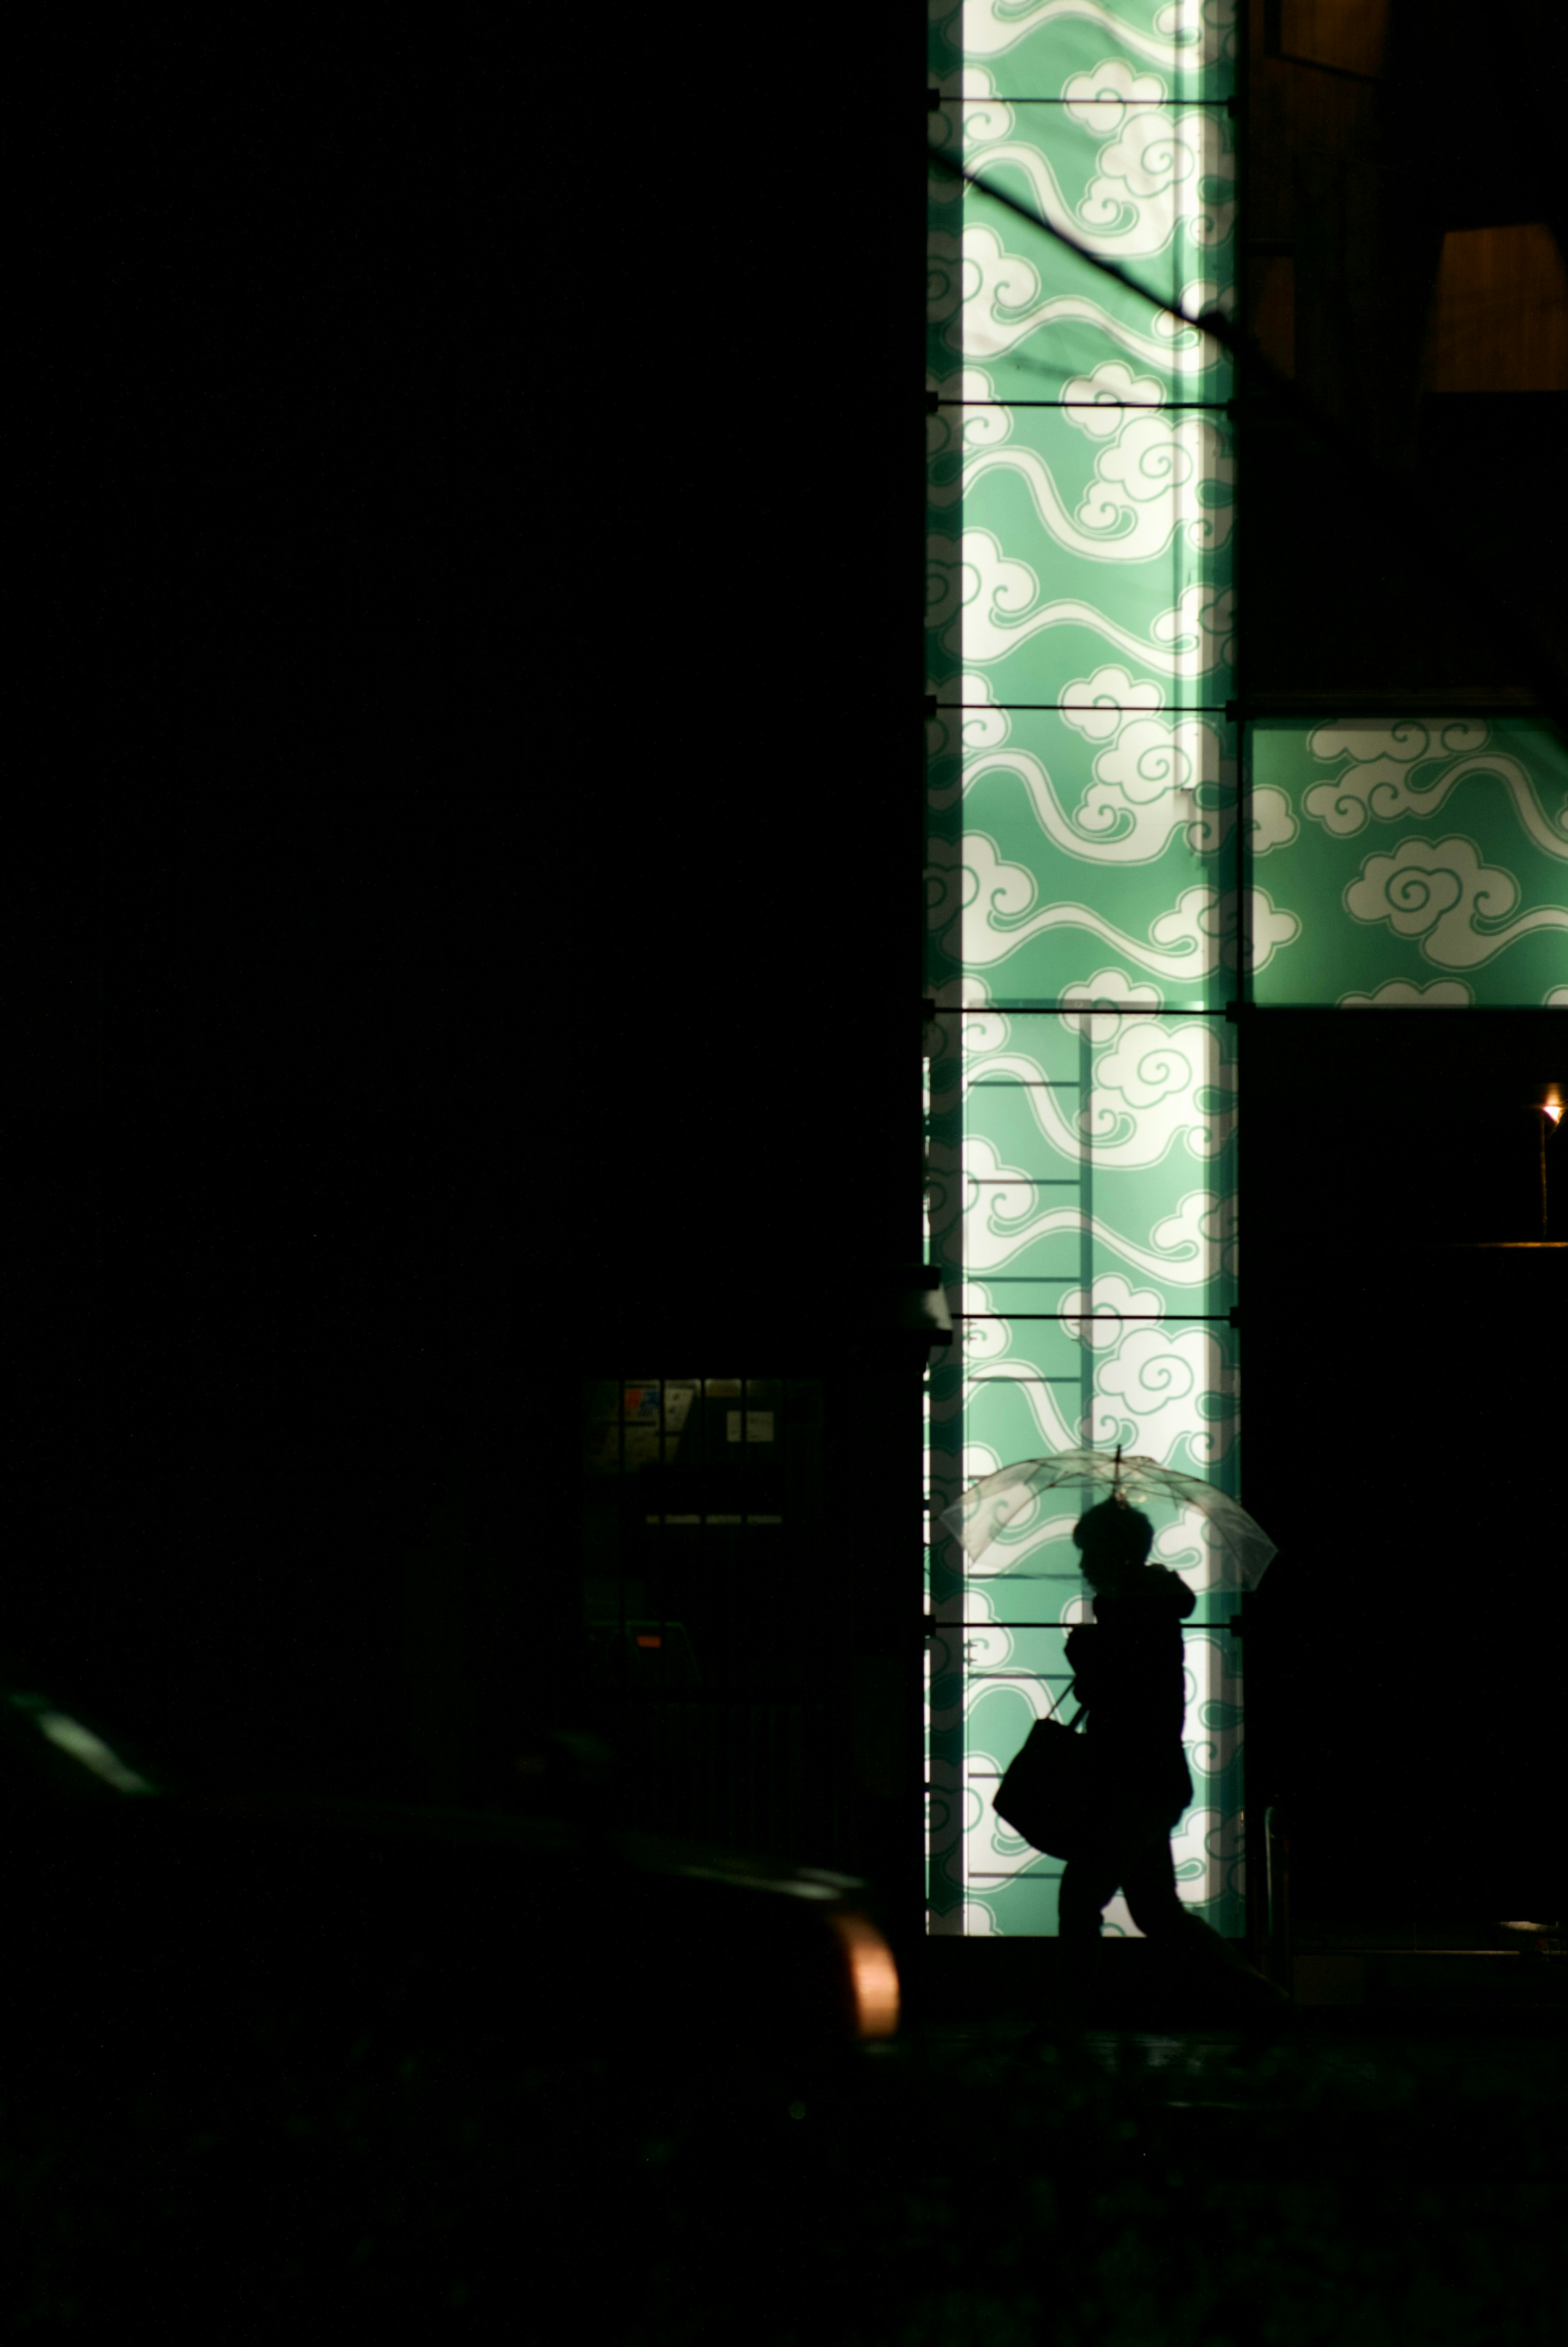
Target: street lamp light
x=1551, y=1110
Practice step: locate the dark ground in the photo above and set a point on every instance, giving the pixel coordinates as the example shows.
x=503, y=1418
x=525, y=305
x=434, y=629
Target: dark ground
x=1129, y=2190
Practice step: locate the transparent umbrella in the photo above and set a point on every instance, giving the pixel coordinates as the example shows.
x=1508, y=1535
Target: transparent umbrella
x=988, y=1507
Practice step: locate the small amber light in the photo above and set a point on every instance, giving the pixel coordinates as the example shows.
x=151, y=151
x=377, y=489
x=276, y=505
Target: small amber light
x=646, y=1639
x=1553, y=1109
x=873, y=1975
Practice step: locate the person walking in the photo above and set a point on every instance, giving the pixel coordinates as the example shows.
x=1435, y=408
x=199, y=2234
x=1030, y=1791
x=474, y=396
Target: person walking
x=1129, y=1674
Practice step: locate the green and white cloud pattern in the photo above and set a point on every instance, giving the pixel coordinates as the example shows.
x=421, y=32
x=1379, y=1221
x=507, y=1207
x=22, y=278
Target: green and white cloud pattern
x=1425, y=863
x=1083, y=870
x=1084, y=790
x=1082, y=1164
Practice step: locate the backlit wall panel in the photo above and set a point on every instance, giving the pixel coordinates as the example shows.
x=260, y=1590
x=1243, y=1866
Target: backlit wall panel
x=1082, y=877
x=1410, y=865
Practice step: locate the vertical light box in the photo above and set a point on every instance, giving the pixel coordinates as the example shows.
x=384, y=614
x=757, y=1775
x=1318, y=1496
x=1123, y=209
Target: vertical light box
x=1081, y=880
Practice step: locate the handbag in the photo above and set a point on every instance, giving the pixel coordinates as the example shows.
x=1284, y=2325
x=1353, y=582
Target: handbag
x=1045, y=1793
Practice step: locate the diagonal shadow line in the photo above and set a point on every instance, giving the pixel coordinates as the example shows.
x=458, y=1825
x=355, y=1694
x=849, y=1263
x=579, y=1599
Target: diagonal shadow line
x=1544, y=668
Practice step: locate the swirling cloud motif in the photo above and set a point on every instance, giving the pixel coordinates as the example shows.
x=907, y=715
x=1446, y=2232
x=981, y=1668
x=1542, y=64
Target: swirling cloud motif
x=988, y=300
x=1438, y=891
x=986, y=909
x=962, y=1674
x=1104, y=998
x=1271, y=927
x=1400, y=994
x=1214, y=1705
x=1389, y=747
x=1001, y=1219
x=1153, y=758
x=1144, y=1096
x=1272, y=822
x=1055, y=1432
x=1147, y=784
x=977, y=593
x=1189, y=32
x=1152, y=178
x=969, y=426
x=1147, y=1394
x=1378, y=781
x=1203, y=1231
x=1144, y=491
x=1206, y=1851
x=983, y=1338
x=1095, y=705
x=1095, y=1319
x=987, y=1645
x=1144, y=788
x=982, y=599
x=1155, y=457
x=1191, y=1547
x=1149, y=1063
x=977, y=1027
x=1146, y=1092
x=1205, y=619
x=1099, y=99
x=967, y=727
x=1196, y=298
x=1096, y=402
x=971, y=110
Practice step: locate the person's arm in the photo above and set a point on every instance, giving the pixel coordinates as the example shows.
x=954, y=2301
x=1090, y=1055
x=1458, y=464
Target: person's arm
x=1183, y=1596
x=1082, y=1648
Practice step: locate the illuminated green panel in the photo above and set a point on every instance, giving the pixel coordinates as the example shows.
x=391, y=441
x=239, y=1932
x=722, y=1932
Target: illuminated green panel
x=1064, y=541
x=1082, y=1167
x=1033, y=48
x=1096, y=1145
x=1097, y=841
x=999, y=1663
x=1081, y=795
x=1151, y=189
x=1421, y=863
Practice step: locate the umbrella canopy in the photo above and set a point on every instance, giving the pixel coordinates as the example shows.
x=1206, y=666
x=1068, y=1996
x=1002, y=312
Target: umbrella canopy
x=988, y=1507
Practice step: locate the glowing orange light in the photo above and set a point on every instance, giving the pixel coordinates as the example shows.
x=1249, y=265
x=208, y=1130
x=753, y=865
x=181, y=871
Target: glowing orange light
x=873, y=1975
x=645, y=1639
x=1553, y=1109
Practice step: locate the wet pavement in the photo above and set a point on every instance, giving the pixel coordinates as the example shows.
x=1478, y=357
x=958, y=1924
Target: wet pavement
x=983, y=2181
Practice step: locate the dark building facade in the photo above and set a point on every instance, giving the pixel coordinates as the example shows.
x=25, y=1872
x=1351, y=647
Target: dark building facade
x=489, y=966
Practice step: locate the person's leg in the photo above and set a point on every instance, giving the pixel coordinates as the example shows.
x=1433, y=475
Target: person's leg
x=1149, y=1884
x=1087, y=1883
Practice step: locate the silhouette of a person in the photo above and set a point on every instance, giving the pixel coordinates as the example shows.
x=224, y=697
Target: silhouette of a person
x=1129, y=1673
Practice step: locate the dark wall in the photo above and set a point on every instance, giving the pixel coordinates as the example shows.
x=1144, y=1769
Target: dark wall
x=1381, y=549
x=1404, y=1405
x=466, y=908
x=1403, y=1394
x=263, y=883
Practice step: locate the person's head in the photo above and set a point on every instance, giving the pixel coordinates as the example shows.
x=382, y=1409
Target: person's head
x=1113, y=1539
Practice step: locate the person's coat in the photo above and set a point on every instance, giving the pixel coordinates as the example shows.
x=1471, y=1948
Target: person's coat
x=1128, y=1668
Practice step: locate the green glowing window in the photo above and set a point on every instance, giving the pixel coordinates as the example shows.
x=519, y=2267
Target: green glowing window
x=1409, y=864
x=1081, y=882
